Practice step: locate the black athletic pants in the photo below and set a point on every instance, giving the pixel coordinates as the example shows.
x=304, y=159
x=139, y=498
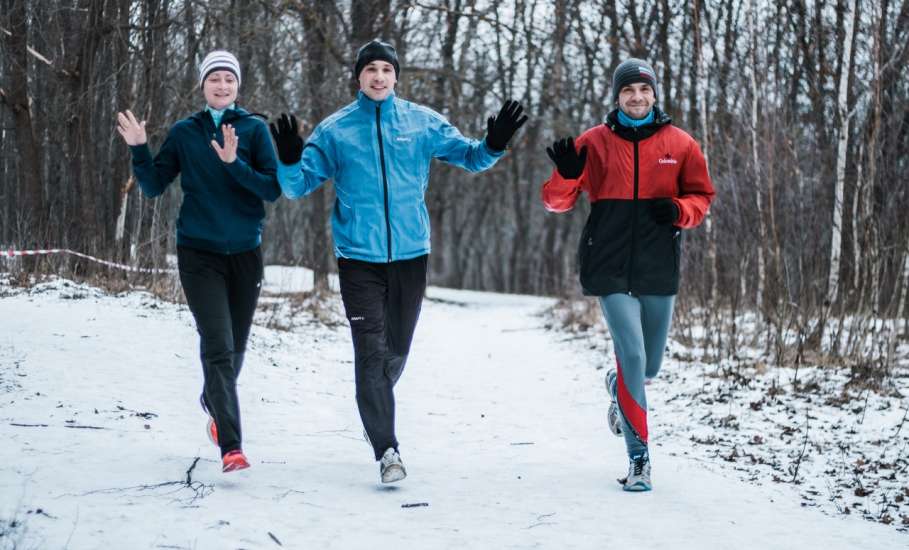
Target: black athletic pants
x=222, y=291
x=382, y=302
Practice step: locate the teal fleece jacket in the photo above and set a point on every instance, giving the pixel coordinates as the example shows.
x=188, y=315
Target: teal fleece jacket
x=222, y=208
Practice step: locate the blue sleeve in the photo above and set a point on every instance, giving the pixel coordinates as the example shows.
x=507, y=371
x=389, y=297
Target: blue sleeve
x=260, y=178
x=317, y=165
x=452, y=147
x=154, y=175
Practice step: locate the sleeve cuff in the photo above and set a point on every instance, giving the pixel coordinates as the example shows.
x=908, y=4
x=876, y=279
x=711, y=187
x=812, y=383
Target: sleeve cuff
x=140, y=153
x=237, y=168
x=286, y=170
x=287, y=176
x=492, y=152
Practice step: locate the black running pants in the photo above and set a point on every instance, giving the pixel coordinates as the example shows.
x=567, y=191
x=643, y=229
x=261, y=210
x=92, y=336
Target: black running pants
x=222, y=291
x=382, y=303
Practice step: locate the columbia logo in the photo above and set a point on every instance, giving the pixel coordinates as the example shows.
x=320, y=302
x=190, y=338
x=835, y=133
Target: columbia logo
x=402, y=138
x=667, y=159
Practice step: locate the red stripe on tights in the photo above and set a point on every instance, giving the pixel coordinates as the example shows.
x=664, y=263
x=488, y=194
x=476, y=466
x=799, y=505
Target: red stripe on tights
x=634, y=414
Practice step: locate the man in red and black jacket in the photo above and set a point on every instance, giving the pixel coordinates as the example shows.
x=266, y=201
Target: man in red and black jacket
x=646, y=181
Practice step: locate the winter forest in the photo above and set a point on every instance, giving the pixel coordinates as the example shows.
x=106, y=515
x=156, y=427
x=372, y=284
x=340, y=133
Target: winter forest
x=799, y=274
x=801, y=109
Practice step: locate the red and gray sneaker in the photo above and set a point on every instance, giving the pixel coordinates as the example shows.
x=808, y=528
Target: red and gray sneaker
x=234, y=460
x=211, y=430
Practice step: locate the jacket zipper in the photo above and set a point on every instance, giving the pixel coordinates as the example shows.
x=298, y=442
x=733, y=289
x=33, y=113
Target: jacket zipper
x=634, y=216
x=384, y=178
x=214, y=136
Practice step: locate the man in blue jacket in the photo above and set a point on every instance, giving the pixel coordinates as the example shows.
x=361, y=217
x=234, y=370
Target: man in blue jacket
x=378, y=150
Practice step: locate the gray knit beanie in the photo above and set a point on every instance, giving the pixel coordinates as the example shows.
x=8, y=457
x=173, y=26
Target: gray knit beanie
x=631, y=71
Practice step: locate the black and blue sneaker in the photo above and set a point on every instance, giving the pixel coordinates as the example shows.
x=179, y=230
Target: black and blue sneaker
x=613, y=415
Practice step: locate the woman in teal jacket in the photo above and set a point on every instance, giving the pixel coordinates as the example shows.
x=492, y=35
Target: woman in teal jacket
x=378, y=150
x=226, y=164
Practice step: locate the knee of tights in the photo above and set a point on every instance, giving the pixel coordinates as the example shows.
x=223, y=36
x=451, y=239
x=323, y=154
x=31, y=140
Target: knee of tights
x=632, y=360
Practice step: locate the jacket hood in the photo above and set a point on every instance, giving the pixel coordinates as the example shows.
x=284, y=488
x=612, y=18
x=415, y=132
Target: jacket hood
x=660, y=119
x=229, y=114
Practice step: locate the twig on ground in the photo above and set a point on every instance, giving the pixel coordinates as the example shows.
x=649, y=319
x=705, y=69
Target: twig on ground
x=798, y=461
x=900, y=427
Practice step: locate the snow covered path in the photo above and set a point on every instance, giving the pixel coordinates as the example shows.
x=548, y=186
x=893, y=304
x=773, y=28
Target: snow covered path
x=501, y=428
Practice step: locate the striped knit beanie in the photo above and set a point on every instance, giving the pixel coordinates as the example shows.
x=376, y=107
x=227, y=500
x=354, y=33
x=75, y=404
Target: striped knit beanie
x=219, y=60
x=631, y=71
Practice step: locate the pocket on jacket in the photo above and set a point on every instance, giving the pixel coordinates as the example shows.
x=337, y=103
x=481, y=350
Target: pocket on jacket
x=344, y=226
x=604, y=250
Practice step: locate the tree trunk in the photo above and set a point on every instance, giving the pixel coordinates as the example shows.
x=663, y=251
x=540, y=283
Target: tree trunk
x=842, y=149
x=758, y=187
x=16, y=96
x=700, y=86
x=316, y=55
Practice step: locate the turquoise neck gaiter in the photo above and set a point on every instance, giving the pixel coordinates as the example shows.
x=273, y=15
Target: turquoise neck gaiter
x=626, y=120
x=216, y=114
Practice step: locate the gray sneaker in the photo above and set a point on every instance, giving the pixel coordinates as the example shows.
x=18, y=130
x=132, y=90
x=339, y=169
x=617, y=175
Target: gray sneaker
x=638, y=478
x=613, y=416
x=391, y=468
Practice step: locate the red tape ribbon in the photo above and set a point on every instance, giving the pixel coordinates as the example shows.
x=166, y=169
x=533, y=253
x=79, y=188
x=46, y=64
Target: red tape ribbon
x=14, y=253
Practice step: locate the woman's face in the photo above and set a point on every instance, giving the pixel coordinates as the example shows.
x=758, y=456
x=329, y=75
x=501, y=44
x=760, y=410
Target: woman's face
x=220, y=89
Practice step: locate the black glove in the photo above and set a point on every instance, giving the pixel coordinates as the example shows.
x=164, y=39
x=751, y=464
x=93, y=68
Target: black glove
x=500, y=129
x=664, y=211
x=286, y=133
x=569, y=163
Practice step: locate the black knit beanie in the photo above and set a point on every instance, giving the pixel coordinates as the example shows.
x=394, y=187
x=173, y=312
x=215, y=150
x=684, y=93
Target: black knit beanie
x=631, y=71
x=376, y=50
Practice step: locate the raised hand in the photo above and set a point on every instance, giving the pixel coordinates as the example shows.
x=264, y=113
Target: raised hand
x=569, y=162
x=288, y=142
x=501, y=128
x=228, y=153
x=132, y=130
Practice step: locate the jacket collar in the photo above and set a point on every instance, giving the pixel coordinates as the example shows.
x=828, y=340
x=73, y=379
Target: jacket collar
x=203, y=117
x=660, y=119
x=387, y=104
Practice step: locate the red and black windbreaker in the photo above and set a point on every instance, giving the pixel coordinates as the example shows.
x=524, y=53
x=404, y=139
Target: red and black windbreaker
x=622, y=248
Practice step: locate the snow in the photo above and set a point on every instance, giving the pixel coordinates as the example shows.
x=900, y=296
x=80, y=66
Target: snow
x=821, y=429
x=501, y=423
